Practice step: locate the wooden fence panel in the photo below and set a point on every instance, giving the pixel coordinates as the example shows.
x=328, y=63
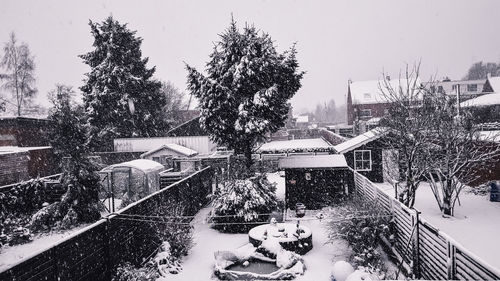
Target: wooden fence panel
x=434, y=254
x=94, y=252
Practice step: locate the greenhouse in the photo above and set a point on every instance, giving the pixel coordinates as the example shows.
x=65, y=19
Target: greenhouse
x=130, y=181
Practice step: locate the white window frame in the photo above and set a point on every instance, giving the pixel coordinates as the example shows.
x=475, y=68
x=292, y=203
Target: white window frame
x=362, y=160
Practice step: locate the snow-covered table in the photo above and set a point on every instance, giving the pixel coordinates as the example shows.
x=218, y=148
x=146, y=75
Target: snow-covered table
x=286, y=234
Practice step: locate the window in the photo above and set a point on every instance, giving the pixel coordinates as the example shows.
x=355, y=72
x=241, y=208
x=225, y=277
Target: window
x=156, y=159
x=365, y=113
x=440, y=89
x=367, y=96
x=433, y=89
x=362, y=160
x=472, y=88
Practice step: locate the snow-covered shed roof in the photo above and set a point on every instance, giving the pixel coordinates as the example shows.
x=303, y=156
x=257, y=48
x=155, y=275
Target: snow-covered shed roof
x=17, y=149
x=491, y=136
x=484, y=100
x=141, y=164
x=295, y=145
x=494, y=83
x=302, y=119
x=174, y=147
x=313, y=161
x=361, y=140
x=368, y=92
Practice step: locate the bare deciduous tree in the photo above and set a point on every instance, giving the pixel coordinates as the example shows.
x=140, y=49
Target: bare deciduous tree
x=407, y=123
x=460, y=152
x=174, y=104
x=19, y=78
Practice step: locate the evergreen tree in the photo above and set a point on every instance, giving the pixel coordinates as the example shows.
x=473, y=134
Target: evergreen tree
x=80, y=178
x=245, y=92
x=120, y=96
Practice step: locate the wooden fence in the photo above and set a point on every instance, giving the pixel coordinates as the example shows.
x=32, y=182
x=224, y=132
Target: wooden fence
x=425, y=251
x=95, y=251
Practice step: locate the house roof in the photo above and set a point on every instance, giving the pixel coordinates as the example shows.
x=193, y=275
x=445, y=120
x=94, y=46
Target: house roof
x=295, y=145
x=369, y=92
x=302, y=119
x=361, y=140
x=484, y=100
x=174, y=147
x=313, y=161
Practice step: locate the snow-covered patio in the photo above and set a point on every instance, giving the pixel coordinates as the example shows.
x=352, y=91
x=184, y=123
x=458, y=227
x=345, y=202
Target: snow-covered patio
x=199, y=264
x=475, y=222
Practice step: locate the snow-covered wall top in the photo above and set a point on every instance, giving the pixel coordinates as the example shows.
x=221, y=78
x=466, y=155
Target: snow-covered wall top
x=201, y=144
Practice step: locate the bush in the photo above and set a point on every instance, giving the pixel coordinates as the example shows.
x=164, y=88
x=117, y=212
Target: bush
x=362, y=229
x=240, y=204
x=176, y=231
x=128, y=272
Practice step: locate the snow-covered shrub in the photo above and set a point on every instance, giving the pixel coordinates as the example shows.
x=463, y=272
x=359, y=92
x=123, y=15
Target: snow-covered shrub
x=174, y=229
x=127, y=272
x=362, y=228
x=24, y=198
x=240, y=204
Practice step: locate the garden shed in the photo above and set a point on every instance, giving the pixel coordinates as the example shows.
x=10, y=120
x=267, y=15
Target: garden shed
x=315, y=180
x=366, y=154
x=132, y=180
x=164, y=154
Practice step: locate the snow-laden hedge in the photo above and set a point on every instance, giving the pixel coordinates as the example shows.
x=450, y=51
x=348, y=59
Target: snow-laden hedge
x=240, y=204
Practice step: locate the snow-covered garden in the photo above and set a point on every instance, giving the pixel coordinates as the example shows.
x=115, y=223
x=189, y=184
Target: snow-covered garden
x=475, y=219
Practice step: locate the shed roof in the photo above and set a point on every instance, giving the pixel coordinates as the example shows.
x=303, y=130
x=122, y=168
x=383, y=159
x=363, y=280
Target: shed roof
x=174, y=147
x=295, y=145
x=361, y=140
x=484, y=100
x=494, y=83
x=141, y=164
x=314, y=161
x=369, y=92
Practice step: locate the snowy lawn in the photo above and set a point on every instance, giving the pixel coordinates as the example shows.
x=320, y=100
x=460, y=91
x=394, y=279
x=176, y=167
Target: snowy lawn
x=476, y=224
x=10, y=255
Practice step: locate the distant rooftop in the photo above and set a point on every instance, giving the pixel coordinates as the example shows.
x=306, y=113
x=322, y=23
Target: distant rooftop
x=369, y=92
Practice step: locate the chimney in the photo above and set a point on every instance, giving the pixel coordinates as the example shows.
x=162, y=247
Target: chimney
x=488, y=75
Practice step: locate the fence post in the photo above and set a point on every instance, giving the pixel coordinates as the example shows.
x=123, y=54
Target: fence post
x=416, y=244
x=450, y=262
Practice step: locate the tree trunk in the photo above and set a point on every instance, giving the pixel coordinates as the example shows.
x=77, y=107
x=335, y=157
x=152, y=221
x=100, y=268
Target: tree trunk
x=248, y=157
x=447, y=209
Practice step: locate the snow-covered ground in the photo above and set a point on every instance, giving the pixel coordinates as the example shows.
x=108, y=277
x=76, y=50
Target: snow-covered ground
x=199, y=264
x=475, y=225
x=280, y=184
x=10, y=255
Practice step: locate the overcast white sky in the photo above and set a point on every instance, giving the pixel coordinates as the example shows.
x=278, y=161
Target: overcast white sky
x=336, y=40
